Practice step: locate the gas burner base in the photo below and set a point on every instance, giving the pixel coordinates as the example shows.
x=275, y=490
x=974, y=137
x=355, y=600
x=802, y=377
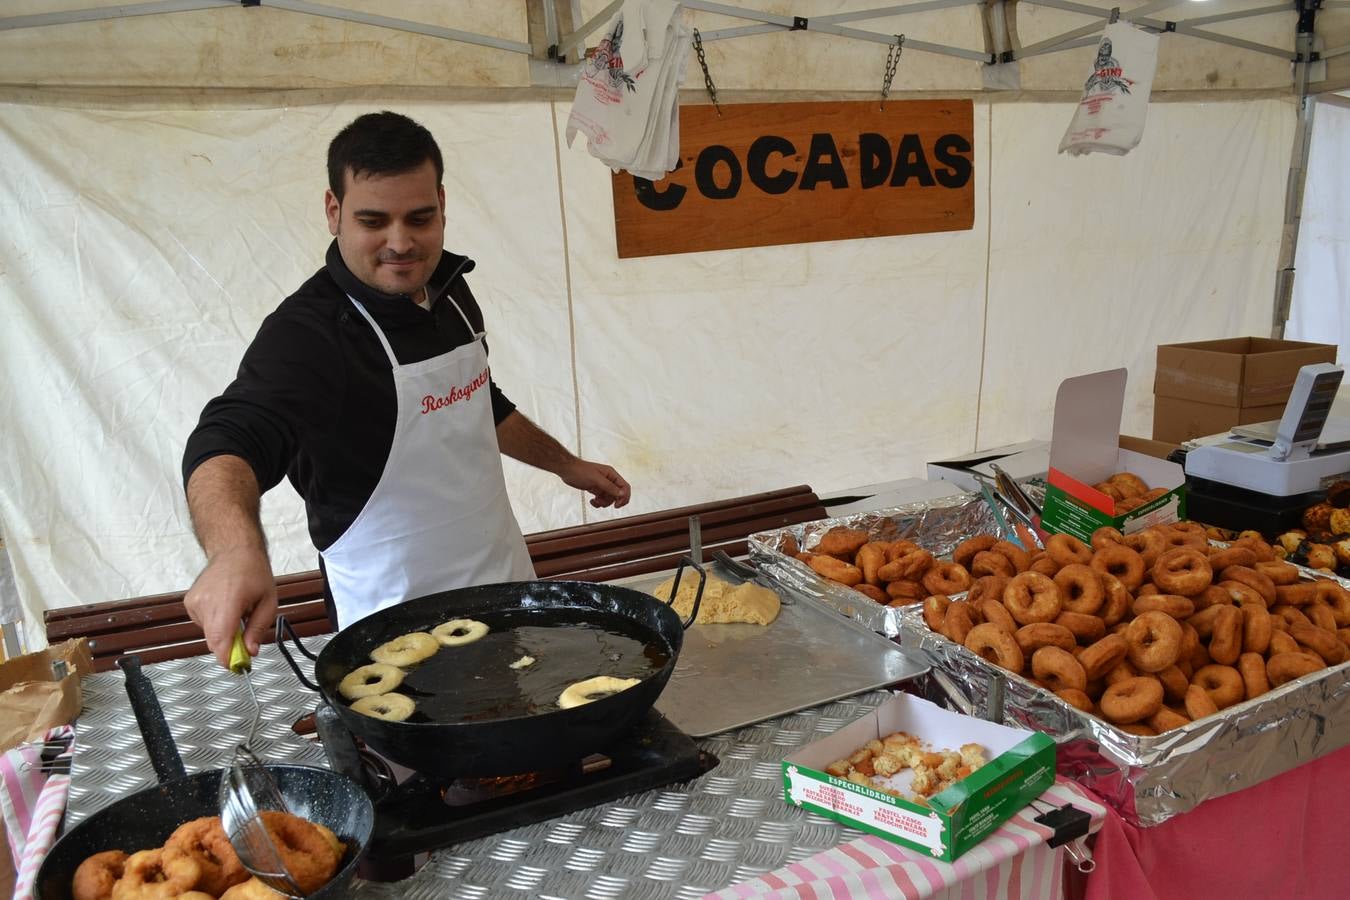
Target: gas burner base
x=414, y=818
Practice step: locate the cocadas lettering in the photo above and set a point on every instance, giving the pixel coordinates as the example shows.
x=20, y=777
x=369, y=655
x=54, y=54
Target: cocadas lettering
x=720, y=175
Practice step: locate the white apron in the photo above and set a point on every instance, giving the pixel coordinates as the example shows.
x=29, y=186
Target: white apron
x=439, y=518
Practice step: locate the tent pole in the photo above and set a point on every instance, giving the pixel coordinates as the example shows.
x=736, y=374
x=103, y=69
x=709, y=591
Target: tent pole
x=1298, y=168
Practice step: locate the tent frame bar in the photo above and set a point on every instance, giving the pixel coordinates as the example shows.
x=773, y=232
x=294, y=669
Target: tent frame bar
x=774, y=22
x=550, y=25
x=436, y=31
x=857, y=15
x=1050, y=43
x=295, y=6
x=561, y=47
x=575, y=39
x=70, y=16
x=1188, y=27
x=1191, y=31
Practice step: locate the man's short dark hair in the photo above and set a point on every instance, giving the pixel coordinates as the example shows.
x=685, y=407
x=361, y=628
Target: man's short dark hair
x=382, y=143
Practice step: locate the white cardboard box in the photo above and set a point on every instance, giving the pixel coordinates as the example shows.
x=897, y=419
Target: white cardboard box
x=1085, y=450
x=888, y=495
x=1021, y=766
x=1022, y=460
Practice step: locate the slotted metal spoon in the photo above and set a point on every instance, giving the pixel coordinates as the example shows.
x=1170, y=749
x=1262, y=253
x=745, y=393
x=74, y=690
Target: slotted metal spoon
x=247, y=790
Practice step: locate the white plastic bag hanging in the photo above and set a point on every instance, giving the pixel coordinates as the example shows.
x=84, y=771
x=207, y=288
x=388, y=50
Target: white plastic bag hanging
x=1110, y=115
x=630, y=114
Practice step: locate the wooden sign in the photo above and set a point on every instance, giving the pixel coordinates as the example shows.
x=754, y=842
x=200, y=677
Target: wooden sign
x=788, y=173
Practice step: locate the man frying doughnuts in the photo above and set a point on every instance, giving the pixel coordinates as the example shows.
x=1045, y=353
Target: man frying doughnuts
x=369, y=388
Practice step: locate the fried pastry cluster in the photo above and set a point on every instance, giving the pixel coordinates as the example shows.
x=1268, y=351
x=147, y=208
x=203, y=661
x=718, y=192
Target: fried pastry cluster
x=1128, y=491
x=198, y=862
x=1151, y=630
x=877, y=761
x=892, y=573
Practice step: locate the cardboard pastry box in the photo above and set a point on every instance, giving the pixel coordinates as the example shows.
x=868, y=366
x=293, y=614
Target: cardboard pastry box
x=1025, y=460
x=1206, y=387
x=1020, y=767
x=1085, y=450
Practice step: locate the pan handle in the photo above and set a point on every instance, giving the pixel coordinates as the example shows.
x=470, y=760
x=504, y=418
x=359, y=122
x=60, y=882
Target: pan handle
x=698, y=595
x=155, y=732
x=283, y=629
x=340, y=746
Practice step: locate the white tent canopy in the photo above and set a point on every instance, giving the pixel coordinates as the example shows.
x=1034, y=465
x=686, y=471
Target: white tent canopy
x=165, y=176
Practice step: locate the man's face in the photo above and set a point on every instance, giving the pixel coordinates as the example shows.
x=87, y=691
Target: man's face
x=390, y=228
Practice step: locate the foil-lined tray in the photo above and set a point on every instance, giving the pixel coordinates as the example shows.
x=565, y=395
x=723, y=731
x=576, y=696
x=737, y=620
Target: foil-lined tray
x=1148, y=780
x=936, y=525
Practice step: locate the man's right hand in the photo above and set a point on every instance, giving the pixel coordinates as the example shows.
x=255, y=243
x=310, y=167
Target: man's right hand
x=236, y=584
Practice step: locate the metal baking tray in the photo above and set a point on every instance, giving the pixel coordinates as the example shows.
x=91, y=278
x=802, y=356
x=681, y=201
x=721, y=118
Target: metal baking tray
x=730, y=676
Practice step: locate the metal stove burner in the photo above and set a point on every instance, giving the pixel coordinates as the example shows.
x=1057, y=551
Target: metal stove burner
x=468, y=791
x=380, y=778
x=420, y=814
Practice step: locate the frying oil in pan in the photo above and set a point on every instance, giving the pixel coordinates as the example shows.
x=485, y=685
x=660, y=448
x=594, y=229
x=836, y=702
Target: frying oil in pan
x=476, y=682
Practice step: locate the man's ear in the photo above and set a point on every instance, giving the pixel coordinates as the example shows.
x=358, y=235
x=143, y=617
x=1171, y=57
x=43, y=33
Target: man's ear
x=332, y=208
x=440, y=195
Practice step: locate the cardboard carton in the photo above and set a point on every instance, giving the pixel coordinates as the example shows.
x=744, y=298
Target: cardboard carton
x=1154, y=448
x=1021, y=765
x=1085, y=450
x=1206, y=387
x=1176, y=420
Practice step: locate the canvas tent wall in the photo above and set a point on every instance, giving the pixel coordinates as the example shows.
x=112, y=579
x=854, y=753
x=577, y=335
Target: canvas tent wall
x=1321, y=305
x=165, y=174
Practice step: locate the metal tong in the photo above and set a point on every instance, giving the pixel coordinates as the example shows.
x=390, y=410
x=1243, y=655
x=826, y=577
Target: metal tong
x=1002, y=492
x=1009, y=487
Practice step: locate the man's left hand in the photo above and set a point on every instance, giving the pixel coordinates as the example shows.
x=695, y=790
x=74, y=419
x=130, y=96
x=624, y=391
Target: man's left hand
x=606, y=486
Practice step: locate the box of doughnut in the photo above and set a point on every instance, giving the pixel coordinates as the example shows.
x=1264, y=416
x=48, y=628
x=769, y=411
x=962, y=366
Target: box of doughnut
x=920, y=775
x=1092, y=481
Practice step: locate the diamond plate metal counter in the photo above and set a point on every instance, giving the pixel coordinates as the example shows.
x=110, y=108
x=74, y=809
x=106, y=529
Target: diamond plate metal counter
x=679, y=841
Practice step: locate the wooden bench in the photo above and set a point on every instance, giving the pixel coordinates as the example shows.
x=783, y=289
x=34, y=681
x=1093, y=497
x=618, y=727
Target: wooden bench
x=157, y=627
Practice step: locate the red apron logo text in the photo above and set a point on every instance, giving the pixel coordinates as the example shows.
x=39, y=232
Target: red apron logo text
x=431, y=403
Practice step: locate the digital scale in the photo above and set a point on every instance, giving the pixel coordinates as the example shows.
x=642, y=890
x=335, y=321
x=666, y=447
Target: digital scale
x=1258, y=478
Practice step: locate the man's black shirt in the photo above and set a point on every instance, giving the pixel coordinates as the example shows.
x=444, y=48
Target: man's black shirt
x=314, y=397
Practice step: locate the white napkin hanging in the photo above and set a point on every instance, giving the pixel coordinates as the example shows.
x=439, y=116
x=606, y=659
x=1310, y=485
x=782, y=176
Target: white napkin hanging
x=1110, y=116
x=630, y=114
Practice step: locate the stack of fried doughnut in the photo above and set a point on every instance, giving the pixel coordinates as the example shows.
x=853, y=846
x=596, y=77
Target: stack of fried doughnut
x=897, y=573
x=197, y=862
x=1128, y=491
x=1152, y=630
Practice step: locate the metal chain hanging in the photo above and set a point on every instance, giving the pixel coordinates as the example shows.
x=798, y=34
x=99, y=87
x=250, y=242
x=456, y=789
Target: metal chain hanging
x=707, y=77
x=892, y=60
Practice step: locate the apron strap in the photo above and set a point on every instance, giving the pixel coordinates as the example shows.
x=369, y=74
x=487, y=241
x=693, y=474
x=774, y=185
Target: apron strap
x=329, y=604
x=477, y=335
x=379, y=333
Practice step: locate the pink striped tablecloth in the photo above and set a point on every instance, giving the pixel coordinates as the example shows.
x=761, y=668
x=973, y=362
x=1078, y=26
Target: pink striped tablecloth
x=32, y=801
x=1012, y=862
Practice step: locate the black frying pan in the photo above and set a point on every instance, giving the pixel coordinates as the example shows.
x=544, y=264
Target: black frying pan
x=146, y=818
x=515, y=743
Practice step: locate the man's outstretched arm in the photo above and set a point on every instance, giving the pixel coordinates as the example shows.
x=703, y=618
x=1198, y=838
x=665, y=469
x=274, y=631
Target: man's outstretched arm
x=522, y=440
x=237, y=583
